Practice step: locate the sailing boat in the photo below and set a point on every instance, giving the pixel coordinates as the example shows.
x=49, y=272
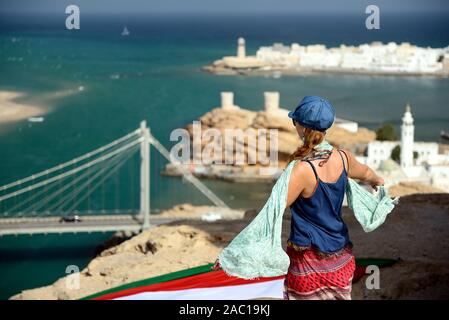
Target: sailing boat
x=125, y=31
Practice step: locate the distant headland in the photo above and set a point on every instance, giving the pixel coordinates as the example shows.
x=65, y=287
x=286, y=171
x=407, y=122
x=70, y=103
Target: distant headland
x=229, y=116
x=374, y=59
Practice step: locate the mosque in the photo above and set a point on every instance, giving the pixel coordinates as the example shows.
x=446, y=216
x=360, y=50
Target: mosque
x=419, y=161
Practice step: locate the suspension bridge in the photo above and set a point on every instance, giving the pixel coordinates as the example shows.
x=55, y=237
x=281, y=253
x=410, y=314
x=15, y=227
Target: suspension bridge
x=62, y=199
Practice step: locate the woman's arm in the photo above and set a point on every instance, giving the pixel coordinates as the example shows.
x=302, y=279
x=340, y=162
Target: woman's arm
x=357, y=170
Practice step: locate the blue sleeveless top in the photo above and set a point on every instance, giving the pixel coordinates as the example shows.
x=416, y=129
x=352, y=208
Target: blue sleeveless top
x=316, y=221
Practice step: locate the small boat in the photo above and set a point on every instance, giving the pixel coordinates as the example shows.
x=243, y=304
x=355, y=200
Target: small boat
x=125, y=31
x=277, y=74
x=36, y=119
x=444, y=135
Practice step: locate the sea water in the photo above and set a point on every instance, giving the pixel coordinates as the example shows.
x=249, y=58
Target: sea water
x=155, y=74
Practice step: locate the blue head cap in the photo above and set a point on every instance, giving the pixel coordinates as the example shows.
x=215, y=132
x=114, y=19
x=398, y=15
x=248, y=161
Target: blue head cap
x=314, y=112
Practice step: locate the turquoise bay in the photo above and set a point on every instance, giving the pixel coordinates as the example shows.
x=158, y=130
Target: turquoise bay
x=155, y=74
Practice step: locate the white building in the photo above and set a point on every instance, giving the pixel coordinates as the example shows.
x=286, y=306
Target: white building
x=349, y=125
x=427, y=166
x=407, y=139
x=379, y=151
x=241, y=60
x=376, y=57
x=241, y=48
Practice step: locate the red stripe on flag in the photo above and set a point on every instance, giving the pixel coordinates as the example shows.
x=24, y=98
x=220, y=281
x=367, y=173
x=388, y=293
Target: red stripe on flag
x=205, y=280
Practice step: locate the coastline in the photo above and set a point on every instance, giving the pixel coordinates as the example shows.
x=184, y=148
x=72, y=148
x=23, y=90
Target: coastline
x=375, y=59
x=12, y=110
x=224, y=71
x=155, y=74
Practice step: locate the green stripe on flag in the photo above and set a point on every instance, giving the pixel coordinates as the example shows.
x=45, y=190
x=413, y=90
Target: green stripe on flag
x=158, y=279
x=207, y=268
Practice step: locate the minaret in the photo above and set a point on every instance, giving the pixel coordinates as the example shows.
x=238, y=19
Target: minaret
x=241, y=51
x=407, y=138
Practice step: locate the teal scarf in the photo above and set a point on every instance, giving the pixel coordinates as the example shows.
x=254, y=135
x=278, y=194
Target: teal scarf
x=257, y=250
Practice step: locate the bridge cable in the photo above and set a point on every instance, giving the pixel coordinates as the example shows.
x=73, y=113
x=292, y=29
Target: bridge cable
x=66, y=199
x=70, y=172
x=120, y=162
x=73, y=161
x=192, y=179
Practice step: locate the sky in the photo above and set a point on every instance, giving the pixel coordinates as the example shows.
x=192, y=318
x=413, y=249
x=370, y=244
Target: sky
x=220, y=6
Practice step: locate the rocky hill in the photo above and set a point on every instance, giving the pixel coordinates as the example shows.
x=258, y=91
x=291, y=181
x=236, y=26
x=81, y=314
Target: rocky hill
x=220, y=120
x=416, y=233
x=244, y=119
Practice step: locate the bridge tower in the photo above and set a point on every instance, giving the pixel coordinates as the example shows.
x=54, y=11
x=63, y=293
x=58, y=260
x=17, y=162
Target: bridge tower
x=145, y=174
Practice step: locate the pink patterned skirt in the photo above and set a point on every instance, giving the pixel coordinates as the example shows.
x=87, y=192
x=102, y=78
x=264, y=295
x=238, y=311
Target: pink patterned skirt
x=312, y=276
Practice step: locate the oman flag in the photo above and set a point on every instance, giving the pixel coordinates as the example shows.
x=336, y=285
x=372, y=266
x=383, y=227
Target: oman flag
x=203, y=283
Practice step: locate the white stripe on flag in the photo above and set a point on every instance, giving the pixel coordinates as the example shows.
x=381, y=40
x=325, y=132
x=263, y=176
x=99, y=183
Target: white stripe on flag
x=266, y=289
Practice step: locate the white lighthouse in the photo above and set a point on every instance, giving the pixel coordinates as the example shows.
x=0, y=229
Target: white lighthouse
x=407, y=138
x=241, y=50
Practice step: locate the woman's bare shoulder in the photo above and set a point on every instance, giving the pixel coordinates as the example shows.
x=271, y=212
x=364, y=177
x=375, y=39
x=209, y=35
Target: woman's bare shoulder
x=348, y=153
x=300, y=169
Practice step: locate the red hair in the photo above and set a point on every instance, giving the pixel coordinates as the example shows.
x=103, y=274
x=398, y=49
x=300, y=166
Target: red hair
x=311, y=139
